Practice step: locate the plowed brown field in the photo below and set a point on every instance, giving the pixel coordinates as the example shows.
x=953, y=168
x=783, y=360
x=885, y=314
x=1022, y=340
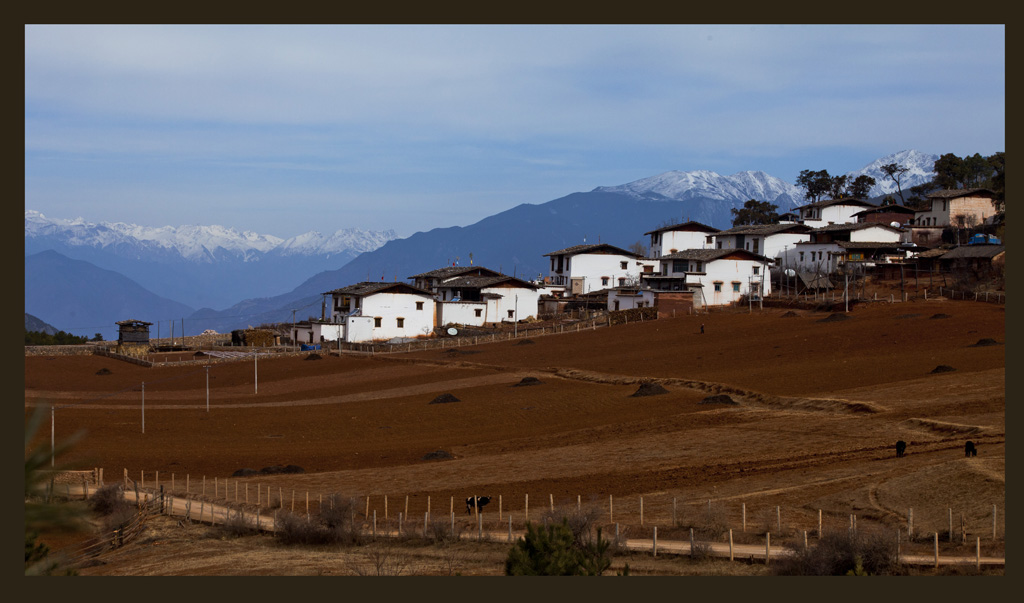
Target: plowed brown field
x=820, y=405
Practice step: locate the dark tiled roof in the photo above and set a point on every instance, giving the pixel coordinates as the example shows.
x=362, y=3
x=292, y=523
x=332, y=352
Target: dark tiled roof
x=451, y=271
x=899, y=209
x=953, y=193
x=479, y=282
x=371, y=287
x=707, y=255
x=974, y=251
x=132, y=321
x=690, y=226
x=765, y=229
x=596, y=247
x=831, y=202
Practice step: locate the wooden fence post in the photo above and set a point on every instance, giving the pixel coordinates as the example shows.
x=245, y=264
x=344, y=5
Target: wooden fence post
x=641, y=511
x=767, y=547
x=993, y=522
x=186, y=483
x=406, y=505
x=977, y=552
x=691, y=542
x=730, y=545
x=654, y=544
x=778, y=518
x=819, y=524
x=526, y=510
x=610, y=510
x=510, y=527
x=910, y=523
x=936, y=549
x=552, y=499
x=499, y=507
x=744, y=517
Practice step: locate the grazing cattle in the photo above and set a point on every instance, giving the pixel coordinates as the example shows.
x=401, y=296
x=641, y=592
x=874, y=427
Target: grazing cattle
x=901, y=447
x=479, y=501
x=969, y=449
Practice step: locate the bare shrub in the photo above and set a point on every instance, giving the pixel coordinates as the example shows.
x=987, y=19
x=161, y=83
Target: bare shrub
x=382, y=560
x=109, y=500
x=712, y=523
x=581, y=521
x=334, y=524
x=701, y=550
x=237, y=524
x=440, y=532
x=842, y=553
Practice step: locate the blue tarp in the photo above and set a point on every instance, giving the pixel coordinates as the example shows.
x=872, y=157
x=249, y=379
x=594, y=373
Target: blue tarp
x=309, y=348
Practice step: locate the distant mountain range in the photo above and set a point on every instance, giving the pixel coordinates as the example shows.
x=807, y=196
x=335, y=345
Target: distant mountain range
x=209, y=267
x=35, y=324
x=200, y=265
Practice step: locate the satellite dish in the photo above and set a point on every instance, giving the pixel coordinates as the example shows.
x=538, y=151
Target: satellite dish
x=453, y=331
x=894, y=224
x=790, y=272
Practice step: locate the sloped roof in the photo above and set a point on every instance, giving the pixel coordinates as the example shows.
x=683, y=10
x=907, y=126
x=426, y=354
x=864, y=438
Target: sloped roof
x=765, y=229
x=132, y=321
x=954, y=193
x=451, y=271
x=899, y=209
x=831, y=202
x=593, y=248
x=689, y=226
x=974, y=251
x=709, y=255
x=370, y=287
x=869, y=245
x=479, y=282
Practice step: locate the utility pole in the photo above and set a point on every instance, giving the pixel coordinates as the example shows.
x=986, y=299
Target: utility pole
x=207, y=367
x=294, y=334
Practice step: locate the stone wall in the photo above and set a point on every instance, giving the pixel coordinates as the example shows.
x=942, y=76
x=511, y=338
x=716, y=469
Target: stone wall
x=60, y=350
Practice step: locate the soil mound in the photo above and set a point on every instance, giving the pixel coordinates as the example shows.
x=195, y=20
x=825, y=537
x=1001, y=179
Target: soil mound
x=835, y=318
x=718, y=399
x=940, y=316
x=649, y=389
x=942, y=368
x=525, y=342
x=444, y=399
x=456, y=352
x=313, y=356
x=908, y=316
x=199, y=354
x=985, y=342
x=104, y=371
x=790, y=314
x=244, y=472
x=528, y=381
x=437, y=455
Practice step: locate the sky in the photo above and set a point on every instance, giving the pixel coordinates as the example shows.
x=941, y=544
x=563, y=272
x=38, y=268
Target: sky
x=286, y=129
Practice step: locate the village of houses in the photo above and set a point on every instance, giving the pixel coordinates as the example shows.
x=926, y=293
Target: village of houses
x=689, y=267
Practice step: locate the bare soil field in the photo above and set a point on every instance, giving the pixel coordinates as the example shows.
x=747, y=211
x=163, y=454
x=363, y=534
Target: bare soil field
x=816, y=403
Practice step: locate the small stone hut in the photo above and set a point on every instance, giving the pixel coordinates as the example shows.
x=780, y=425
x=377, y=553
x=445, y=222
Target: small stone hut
x=133, y=336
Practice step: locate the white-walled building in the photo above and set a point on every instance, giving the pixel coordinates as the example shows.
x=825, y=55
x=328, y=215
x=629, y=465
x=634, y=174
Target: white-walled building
x=832, y=211
x=627, y=298
x=481, y=300
x=586, y=268
x=716, y=276
x=768, y=240
x=675, y=237
x=371, y=311
x=833, y=245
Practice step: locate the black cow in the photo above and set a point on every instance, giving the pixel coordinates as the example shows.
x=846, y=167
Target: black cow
x=901, y=447
x=969, y=449
x=480, y=501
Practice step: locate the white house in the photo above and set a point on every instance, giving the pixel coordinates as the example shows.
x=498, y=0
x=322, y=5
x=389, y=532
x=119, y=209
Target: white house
x=480, y=300
x=716, y=276
x=627, y=298
x=832, y=211
x=586, y=268
x=688, y=235
x=768, y=240
x=371, y=311
x=317, y=331
x=831, y=246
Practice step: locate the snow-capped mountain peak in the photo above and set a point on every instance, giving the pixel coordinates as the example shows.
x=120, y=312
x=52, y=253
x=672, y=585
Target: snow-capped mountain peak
x=737, y=188
x=920, y=169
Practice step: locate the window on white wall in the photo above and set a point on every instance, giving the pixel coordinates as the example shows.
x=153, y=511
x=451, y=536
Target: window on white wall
x=377, y=321
x=419, y=305
x=478, y=312
x=401, y=322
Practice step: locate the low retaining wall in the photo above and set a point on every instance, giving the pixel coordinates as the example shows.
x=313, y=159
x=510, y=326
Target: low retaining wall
x=60, y=350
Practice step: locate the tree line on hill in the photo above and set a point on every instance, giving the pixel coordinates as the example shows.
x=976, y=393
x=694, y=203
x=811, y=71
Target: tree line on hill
x=58, y=338
x=951, y=172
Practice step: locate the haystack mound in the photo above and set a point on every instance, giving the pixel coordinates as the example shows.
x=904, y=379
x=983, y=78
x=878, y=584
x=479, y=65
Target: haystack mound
x=313, y=356
x=199, y=353
x=104, y=371
x=525, y=341
x=437, y=455
x=649, y=389
x=718, y=399
x=835, y=318
x=528, y=381
x=244, y=472
x=942, y=368
x=444, y=399
x=985, y=342
x=940, y=316
x=790, y=314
